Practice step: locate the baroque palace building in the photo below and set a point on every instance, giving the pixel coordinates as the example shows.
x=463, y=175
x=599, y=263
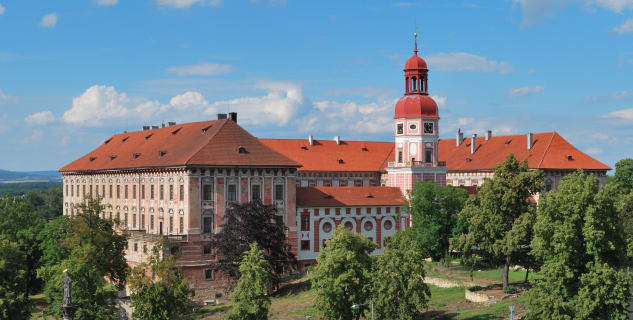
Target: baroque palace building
x=176, y=181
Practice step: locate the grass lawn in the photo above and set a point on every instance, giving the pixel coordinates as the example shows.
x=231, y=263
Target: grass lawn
x=459, y=272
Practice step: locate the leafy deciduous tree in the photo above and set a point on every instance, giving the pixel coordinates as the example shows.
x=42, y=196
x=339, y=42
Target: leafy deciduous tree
x=580, y=238
x=247, y=223
x=398, y=288
x=623, y=176
x=159, y=299
x=341, y=277
x=500, y=212
x=434, y=212
x=250, y=299
x=13, y=289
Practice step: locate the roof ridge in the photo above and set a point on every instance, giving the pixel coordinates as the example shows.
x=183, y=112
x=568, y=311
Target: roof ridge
x=546, y=149
x=222, y=123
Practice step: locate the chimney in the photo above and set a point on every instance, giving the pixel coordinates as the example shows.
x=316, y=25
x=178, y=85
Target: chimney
x=233, y=116
x=311, y=140
x=488, y=135
x=337, y=139
x=145, y=128
x=472, y=144
x=171, y=123
x=460, y=137
x=221, y=116
x=162, y=125
x=530, y=140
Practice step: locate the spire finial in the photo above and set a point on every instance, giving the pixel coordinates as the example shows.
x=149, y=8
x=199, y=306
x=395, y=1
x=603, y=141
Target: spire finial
x=415, y=40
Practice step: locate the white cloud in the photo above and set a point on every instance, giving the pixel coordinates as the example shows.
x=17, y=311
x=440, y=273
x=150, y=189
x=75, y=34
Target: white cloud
x=624, y=115
x=519, y=92
x=467, y=62
x=40, y=118
x=277, y=107
x=626, y=27
x=349, y=118
x=613, y=5
x=610, y=97
x=184, y=4
x=2, y=10
x=441, y=101
x=203, y=68
x=49, y=20
x=187, y=100
x=107, y=2
x=35, y=136
x=534, y=11
x=594, y=151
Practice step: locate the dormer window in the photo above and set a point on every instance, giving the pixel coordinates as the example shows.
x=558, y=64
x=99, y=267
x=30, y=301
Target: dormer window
x=93, y=159
x=242, y=150
x=304, y=148
x=149, y=136
x=112, y=157
x=570, y=158
x=106, y=142
x=176, y=131
x=204, y=130
x=136, y=155
x=161, y=153
x=340, y=161
x=125, y=139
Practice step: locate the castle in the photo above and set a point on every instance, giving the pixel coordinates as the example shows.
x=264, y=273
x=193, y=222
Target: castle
x=176, y=181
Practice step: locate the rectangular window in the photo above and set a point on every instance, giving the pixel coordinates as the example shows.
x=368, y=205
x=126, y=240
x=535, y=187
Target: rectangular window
x=171, y=192
x=134, y=221
x=400, y=128
x=305, y=245
x=182, y=192
x=151, y=222
x=72, y=191
x=142, y=221
x=256, y=193
x=90, y=191
x=151, y=192
x=207, y=192
x=279, y=192
x=206, y=249
x=342, y=183
x=67, y=190
x=279, y=219
x=97, y=190
x=143, y=192
x=126, y=221
x=83, y=190
x=358, y=183
x=171, y=224
x=134, y=192
x=125, y=194
x=103, y=191
x=231, y=193
x=162, y=192
x=182, y=225
x=305, y=222
x=208, y=274
x=399, y=156
x=110, y=192
x=207, y=225
x=428, y=155
x=118, y=191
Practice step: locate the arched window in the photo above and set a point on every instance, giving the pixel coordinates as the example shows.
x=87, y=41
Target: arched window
x=207, y=221
x=414, y=84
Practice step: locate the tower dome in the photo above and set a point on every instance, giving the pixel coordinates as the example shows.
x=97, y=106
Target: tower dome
x=416, y=101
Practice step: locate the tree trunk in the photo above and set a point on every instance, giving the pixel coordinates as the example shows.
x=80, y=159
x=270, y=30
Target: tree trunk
x=527, y=272
x=506, y=269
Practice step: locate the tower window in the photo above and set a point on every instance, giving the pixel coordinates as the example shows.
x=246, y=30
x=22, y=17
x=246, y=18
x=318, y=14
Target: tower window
x=400, y=128
x=414, y=84
x=428, y=155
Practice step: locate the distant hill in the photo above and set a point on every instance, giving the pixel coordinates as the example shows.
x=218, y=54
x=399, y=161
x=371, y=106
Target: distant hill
x=18, y=176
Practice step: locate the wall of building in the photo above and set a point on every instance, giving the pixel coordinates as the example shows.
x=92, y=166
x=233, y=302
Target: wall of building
x=338, y=179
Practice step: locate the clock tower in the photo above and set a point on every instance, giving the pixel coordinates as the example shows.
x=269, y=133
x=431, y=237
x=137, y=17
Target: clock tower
x=416, y=121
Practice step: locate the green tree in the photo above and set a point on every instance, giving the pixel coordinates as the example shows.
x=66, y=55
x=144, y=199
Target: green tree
x=163, y=295
x=19, y=223
x=434, y=212
x=398, y=288
x=623, y=176
x=250, y=299
x=500, y=213
x=580, y=238
x=13, y=285
x=93, y=254
x=341, y=277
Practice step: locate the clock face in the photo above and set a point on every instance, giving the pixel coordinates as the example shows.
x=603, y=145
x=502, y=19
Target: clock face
x=413, y=126
x=428, y=127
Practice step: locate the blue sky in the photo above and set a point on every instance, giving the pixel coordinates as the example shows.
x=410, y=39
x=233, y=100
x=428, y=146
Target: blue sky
x=72, y=73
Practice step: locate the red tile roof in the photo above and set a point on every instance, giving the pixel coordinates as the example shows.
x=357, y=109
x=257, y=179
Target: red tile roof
x=213, y=143
x=349, y=196
x=326, y=155
x=549, y=151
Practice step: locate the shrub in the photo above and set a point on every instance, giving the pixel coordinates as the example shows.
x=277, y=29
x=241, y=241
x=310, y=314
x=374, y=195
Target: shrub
x=510, y=289
x=475, y=288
